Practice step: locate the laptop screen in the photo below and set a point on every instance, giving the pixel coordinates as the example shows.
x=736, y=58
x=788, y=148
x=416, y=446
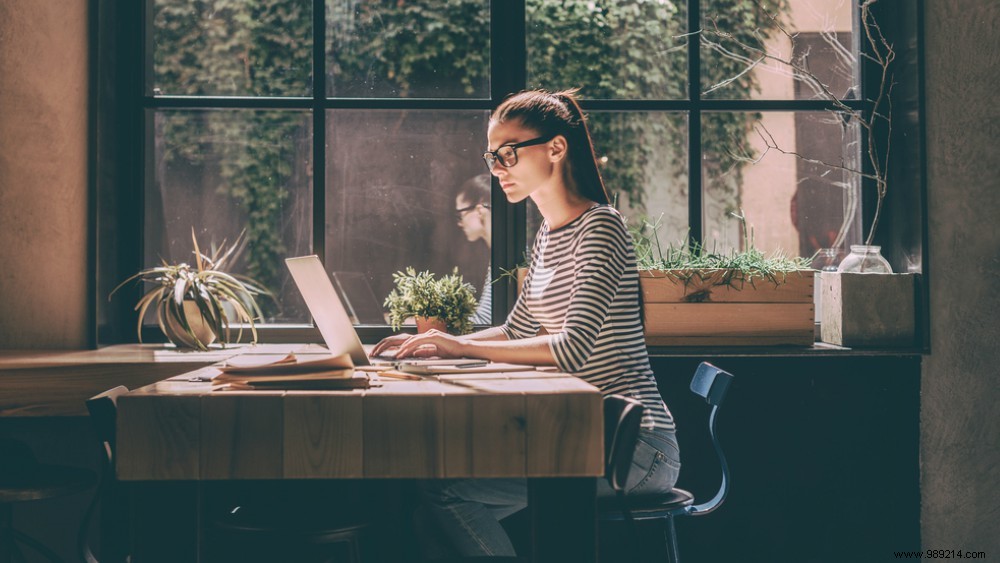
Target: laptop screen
x=326, y=308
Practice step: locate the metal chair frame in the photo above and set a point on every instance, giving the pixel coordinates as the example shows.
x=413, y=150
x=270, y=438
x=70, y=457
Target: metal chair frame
x=622, y=418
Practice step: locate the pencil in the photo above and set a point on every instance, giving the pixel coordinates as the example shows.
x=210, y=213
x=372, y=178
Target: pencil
x=399, y=375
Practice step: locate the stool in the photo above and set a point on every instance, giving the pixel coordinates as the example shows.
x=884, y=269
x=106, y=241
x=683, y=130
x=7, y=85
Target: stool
x=23, y=479
x=258, y=532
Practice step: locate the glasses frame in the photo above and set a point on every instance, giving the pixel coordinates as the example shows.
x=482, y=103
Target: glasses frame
x=461, y=213
x=494, y=156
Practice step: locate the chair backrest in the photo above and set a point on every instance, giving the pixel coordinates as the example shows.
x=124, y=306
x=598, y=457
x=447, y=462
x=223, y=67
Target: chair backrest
x=622, y=418
x=103, y=411
x=712, y=384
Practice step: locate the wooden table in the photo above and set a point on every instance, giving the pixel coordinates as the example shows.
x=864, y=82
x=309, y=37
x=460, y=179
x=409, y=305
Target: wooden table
x=545, y=426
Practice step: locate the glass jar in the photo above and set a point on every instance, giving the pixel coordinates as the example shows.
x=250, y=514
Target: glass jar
x=865, y=260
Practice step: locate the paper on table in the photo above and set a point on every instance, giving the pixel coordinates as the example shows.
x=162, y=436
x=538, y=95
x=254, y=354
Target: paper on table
x=313, y=381
x=285, y=365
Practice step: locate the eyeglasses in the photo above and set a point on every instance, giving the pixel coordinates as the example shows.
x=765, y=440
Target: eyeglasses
x=460, y=213
x=506, y=155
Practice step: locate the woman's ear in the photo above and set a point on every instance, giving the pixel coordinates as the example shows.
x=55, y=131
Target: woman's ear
x=558, y=148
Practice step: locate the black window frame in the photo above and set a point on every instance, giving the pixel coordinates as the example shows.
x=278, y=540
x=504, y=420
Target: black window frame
x=120, y=50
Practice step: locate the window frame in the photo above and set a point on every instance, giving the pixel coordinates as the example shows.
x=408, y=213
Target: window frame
x=121, y=167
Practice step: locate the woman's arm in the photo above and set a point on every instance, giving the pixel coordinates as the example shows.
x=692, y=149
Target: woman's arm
x=533, y=351
x=493, y=333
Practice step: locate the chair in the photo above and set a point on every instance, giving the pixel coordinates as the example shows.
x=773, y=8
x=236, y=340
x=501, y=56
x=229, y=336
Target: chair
x=23, y=479
x=103, y=409
x=622, y=418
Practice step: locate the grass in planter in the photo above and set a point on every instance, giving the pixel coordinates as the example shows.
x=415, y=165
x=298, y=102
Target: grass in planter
x=690, y=260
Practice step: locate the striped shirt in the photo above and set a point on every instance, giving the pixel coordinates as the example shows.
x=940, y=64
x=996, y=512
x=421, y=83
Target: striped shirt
x=583, y=288
x=483, y=314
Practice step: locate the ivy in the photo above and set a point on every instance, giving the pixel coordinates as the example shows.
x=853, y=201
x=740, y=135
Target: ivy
x=615, y=49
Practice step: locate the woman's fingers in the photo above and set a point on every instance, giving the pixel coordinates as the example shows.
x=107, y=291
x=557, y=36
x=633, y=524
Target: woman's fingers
x=390, y=342
x=412, y=344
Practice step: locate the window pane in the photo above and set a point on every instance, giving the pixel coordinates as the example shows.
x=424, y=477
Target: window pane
x=814, y=38
x=225, y=171
x=412, y=49
x=218, y=48
x=612, y=50
x=794, y=204
x=392, y=183
x=643, y=158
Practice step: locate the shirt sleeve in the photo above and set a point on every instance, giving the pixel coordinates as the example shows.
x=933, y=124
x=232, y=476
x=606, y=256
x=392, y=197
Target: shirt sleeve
x=599, y=263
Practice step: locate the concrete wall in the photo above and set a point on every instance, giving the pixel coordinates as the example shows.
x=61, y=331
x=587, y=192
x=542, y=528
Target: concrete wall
x=960, y=426
x=43, y=174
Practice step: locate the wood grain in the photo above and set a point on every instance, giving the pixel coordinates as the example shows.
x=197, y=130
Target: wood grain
x=498, y=435
x=159, y=437
x=564, y=435
x=429, y=428
x=242, y=436
x=660, y=287
x=403, y=436
x=323, y=435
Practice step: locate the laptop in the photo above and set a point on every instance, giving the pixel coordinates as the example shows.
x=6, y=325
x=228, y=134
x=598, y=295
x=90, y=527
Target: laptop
x=326, y=308
x=333, y=321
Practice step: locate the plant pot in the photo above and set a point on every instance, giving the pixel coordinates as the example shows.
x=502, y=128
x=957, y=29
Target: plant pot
x=698, y=308
x=425, y=324
x=868, y=309
x=175, y=332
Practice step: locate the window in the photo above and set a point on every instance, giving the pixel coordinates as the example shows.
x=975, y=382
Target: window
x=347, y=127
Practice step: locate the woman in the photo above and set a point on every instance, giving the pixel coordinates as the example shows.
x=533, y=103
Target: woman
x=582, y=287
x=472, y=211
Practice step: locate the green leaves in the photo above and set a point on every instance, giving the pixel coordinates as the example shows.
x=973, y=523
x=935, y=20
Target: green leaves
x=689, y=259
x=212, y=290
x=449, y=298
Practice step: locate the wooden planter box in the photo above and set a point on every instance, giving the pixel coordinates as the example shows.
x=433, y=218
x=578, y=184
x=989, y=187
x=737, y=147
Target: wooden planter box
x=701, y=312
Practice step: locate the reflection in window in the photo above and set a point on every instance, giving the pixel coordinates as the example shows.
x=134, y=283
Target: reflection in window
x=392, y=181
x=224, y=171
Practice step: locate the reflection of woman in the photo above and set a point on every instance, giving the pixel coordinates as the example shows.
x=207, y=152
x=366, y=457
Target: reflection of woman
x=472, y=210
x=582, y=287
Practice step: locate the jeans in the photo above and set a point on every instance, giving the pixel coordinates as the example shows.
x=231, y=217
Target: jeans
x=462, y=516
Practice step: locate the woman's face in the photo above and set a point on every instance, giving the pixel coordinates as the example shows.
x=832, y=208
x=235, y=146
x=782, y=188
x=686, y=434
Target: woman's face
x=534, y=166
x=472, y=219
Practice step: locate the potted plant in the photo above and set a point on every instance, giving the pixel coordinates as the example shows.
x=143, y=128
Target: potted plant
x=696, y=297
x=864, y=302
x=196, y=304
x=446, y=304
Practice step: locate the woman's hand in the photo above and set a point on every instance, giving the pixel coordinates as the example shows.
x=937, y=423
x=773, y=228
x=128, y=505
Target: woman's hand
x=394, y=341
x=432, y=343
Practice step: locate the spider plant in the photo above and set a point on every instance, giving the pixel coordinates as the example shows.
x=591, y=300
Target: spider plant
x=218, y=297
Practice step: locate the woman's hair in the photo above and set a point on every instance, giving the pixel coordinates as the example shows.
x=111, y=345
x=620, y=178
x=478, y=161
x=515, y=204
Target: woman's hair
x=476, y=190
x=558, y=113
